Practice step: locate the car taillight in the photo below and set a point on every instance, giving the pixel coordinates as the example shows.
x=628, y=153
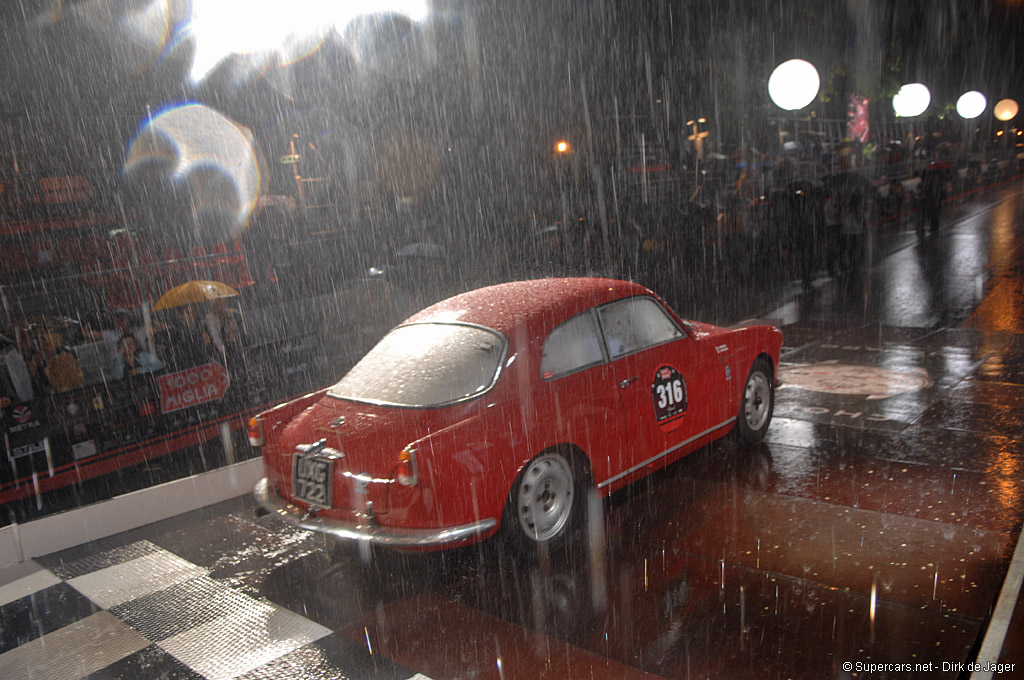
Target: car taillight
x=407, y=474
x=255, y=431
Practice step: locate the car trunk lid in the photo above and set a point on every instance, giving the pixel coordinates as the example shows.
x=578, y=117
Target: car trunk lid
x=358, y=446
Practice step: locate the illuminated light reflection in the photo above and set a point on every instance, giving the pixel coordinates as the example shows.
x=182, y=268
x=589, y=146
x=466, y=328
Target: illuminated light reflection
x=140, y=33
x=971, y=104
x=1000, y=308
x=1005, y=474
x=262, y=28
x=912, y=100
x=794, y=84
x=1005, y=110
x=874, y=601
x=148, y=29
x=295, y=50
x=215, y=158
x=910, y=298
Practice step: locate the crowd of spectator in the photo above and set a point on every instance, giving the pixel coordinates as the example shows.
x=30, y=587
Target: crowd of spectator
x=61, y=355
x=798, y=226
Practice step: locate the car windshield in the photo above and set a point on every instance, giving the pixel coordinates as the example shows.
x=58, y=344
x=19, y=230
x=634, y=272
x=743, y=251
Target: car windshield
x=426, y=365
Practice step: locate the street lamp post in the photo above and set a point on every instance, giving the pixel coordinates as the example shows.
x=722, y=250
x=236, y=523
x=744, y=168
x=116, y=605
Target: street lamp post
x=970, y=105
x=793, y=85
x=562, y=157
x=911, y=101
x=697, y=137
x=1006, y=110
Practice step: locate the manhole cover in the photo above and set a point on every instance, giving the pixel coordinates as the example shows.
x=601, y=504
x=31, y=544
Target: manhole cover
x=874, y=382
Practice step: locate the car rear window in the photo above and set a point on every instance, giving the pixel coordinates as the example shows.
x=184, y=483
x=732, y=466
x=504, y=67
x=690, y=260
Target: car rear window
x=426, y=365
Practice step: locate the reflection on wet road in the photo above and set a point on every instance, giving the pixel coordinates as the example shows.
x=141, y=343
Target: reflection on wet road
x=874, y=525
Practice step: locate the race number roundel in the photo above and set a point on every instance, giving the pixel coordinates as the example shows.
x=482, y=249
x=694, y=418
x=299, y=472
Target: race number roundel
x=668, y=393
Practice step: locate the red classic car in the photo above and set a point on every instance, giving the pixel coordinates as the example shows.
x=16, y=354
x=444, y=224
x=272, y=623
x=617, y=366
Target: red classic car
x=502, y=407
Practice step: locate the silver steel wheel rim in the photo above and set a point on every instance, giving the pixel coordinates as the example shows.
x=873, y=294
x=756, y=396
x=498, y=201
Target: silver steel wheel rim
x=757, y=398
x=545, y=496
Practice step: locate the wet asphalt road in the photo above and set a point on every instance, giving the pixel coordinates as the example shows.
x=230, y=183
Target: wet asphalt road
x=874, y=525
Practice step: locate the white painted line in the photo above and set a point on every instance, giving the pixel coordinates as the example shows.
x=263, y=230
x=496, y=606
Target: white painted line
x=992, y=645
x=37, y=580
x=123, y=513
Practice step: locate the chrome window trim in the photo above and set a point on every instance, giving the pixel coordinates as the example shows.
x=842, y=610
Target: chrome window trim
x=685, y=332
x=600, y=339
x=671, y=318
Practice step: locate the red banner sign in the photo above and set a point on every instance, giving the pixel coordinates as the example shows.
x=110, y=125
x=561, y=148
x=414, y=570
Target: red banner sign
x=192, y=387
x=857, y=125
x=74, y=189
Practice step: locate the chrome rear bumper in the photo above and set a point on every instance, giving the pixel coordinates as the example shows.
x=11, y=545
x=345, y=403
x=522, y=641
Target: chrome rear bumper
x=371, y=533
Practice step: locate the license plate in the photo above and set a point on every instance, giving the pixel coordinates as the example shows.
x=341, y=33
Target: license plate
x=311, y=480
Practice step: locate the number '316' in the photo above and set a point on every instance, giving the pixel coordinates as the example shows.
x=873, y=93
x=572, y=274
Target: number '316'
x=670, y=394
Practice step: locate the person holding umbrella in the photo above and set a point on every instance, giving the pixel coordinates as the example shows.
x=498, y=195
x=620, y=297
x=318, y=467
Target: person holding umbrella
x=190, y=343
x=197, y=341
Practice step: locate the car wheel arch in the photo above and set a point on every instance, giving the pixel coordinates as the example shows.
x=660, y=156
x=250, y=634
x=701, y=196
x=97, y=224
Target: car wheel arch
x=583, y=481
x=768, y=360
x=574, y=454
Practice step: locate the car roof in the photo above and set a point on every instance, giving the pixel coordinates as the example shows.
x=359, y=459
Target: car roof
x=540, y=304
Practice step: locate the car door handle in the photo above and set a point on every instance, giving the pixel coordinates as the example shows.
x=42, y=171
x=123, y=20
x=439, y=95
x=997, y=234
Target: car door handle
x=627, y=382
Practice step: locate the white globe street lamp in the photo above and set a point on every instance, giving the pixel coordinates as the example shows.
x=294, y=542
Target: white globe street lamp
x=912, y=100
x=1005, y=110
x=971, y=104
x=793, y=84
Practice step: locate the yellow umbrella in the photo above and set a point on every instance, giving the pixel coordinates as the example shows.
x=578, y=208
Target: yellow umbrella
x=192, y=292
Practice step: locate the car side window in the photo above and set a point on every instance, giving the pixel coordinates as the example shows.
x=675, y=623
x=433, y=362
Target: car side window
x=634, y=324
x=572, y=346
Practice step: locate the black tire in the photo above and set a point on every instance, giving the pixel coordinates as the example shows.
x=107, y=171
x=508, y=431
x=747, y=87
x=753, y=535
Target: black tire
x=546, y=505
x=757, y=402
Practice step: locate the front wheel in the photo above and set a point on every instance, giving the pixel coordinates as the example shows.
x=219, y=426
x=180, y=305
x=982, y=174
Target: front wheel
x=756, y=404
x=545, y=505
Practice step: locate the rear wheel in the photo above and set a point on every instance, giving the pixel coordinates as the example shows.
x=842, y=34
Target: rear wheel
x=757, y=403
x=545, y=506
